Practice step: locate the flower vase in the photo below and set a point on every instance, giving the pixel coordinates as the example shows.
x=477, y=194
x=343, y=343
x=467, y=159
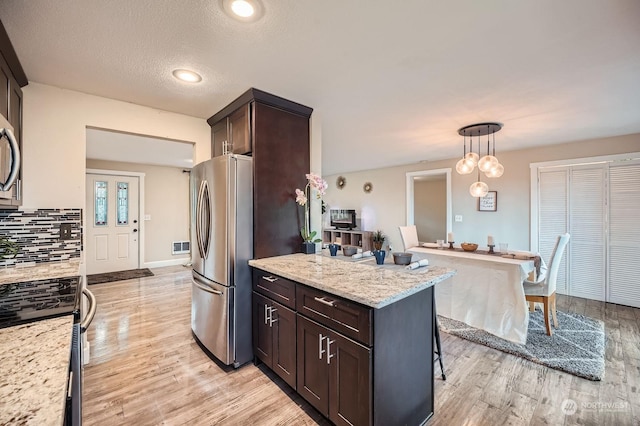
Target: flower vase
x=308, y=248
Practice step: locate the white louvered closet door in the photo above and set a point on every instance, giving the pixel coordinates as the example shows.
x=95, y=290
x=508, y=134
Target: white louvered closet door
x=587, y=224
x=553, y=189
x=624, y=234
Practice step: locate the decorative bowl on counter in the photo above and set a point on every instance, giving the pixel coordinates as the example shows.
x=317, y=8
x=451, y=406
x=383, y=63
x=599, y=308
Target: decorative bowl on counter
x=402, y=258
x=469, y=246
x=349, y=250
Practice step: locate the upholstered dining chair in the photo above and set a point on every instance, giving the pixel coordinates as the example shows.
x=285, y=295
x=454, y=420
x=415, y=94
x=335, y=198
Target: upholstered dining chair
x=409, y=236
x=544, y=289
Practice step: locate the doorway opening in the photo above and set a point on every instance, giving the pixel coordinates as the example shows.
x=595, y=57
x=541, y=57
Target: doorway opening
x=429, y=203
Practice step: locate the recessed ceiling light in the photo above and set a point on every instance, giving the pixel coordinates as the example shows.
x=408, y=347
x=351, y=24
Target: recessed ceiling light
x=187, y=75
x=243, y=10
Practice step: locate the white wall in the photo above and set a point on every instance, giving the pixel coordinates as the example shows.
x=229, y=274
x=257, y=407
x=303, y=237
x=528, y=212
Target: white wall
x=166, y=201
x=54, y=139
x=385, y=206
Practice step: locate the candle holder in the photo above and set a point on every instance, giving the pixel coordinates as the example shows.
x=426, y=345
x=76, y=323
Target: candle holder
x=491, y=246
x=451, y=245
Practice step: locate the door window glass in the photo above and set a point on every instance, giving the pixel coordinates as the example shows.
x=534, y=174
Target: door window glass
x=100, y=203
x=123, y=203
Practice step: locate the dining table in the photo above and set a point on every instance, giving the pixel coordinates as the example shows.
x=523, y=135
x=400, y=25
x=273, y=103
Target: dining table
x=486, y=292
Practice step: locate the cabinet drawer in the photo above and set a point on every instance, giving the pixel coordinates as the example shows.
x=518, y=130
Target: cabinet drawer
x=277, y=288
x=347, y=317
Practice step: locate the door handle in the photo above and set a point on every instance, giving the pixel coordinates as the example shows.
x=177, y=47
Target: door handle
x=266, y=313
x=271, y=320
x=15, y=159
x=320, y=350
x=207, y=289
x=93, y=304
x=329, y=356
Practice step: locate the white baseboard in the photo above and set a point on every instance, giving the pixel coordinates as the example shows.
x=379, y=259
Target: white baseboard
x=170, y=262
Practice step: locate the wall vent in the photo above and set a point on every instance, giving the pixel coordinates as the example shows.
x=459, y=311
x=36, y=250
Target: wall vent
x=180, y=247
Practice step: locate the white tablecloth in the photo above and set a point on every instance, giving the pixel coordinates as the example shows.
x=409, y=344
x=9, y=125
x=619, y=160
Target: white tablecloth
x=486, y=292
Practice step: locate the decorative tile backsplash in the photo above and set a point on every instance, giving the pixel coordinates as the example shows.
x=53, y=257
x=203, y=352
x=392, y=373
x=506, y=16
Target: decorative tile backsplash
x=37, y=233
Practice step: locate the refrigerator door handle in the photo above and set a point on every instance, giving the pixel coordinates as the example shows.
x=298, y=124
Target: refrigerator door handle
x=208, y=289
x=202, y=284
x=203, y=213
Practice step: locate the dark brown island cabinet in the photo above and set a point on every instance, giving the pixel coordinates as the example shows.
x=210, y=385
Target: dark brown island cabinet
x=12, y=79
x=355, y=364
x=275, y=132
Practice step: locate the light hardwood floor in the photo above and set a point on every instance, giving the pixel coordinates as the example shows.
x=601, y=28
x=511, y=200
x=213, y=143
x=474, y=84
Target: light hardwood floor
x=146, y=369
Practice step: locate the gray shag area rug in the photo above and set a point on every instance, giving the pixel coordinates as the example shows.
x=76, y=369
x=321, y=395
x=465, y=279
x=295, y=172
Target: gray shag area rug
x=576, y=346
x=118, y=276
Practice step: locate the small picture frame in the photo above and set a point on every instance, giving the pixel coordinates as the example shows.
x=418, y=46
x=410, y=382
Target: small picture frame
x=488, y=203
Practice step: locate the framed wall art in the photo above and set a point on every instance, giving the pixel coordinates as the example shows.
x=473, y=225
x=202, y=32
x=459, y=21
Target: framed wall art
x=488, y=203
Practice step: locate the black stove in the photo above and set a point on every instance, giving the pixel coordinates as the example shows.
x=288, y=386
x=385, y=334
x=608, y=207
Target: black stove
x=25, y=302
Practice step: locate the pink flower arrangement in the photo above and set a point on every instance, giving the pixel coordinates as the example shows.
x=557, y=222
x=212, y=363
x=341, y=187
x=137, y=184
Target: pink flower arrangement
x=314, y=182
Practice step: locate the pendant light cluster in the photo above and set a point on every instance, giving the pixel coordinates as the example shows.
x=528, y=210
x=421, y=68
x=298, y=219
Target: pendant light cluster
x=488, y=164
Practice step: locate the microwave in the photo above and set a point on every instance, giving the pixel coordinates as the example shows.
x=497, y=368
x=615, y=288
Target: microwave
x=10, y=161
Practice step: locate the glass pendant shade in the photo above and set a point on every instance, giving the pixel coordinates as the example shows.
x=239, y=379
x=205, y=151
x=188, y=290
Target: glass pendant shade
x=479, y=189
x=495, y=172
x=463, y=167
x=472, y=158
x=487, y=162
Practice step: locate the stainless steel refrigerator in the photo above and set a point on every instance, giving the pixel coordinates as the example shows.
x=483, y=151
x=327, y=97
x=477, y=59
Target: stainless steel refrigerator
x=222, y=244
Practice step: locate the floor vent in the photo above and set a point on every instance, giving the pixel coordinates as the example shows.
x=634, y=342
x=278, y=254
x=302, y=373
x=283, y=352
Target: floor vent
x=180, y=247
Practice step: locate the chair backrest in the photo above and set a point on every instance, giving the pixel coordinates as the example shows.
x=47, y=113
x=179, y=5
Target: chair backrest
x=409, y=236
x=554, y=265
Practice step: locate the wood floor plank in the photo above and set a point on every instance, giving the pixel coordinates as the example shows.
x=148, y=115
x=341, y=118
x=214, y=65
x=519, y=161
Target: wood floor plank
x=147, y=369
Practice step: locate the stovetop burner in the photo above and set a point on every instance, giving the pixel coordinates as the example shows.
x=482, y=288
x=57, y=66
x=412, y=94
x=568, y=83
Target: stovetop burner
x=35, y=300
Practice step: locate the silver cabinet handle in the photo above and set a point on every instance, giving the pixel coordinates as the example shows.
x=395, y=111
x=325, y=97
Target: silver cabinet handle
x=207, y=289
x=266, y=313
x=271, y=320
x=271, y=279
x=329, y=356
x=322, y=300
x=92, y=309
x=320, y=350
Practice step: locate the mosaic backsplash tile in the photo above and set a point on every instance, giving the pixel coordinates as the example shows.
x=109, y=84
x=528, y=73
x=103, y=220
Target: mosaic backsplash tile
x=37, y=233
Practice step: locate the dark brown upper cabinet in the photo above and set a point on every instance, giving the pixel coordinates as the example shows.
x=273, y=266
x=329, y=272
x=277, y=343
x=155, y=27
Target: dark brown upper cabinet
x=275, y=132
x=12, y=79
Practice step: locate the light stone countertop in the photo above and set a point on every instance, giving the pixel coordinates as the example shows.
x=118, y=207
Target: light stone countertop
x=363, y=282
x=40, y=271
x=34, y=364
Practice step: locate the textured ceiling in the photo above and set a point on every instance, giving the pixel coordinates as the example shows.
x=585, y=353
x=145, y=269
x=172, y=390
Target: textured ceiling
x=391, y=82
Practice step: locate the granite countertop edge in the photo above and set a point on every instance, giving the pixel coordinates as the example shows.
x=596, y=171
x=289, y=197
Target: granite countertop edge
x=40, y=271
x=383, y=288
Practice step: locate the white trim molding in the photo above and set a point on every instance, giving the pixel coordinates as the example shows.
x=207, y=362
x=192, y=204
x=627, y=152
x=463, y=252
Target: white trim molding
x=141, y=209
x=410, y=188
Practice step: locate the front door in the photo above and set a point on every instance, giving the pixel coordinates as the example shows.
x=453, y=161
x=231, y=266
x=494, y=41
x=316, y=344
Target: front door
x=112, y=223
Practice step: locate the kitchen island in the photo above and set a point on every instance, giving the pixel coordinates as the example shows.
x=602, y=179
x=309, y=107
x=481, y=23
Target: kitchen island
x=353, y=339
